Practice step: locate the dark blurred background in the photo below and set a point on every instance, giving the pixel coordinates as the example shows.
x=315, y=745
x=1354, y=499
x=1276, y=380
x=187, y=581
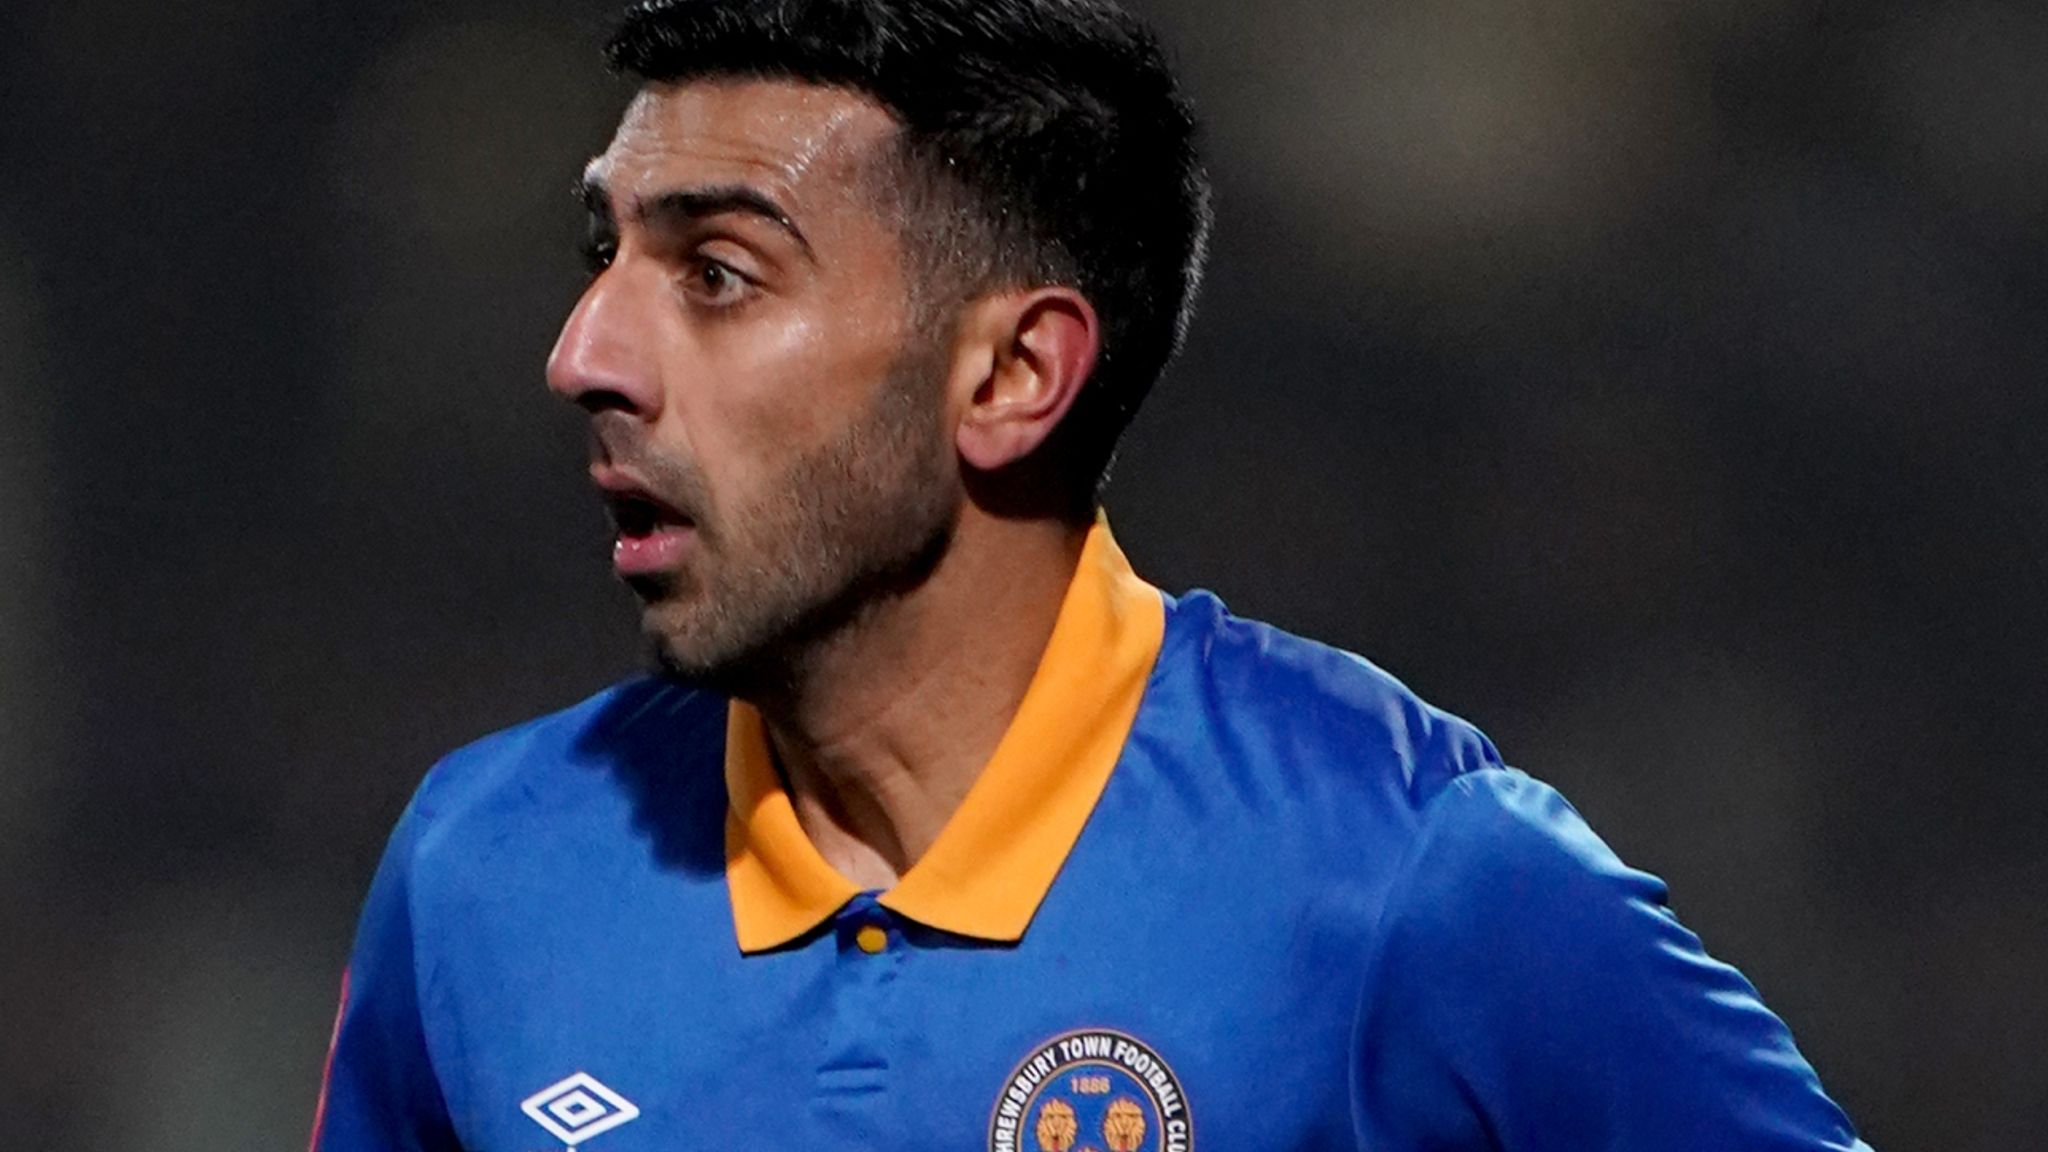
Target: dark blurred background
x=1659, y=385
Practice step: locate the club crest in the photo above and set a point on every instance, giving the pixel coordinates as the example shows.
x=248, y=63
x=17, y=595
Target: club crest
x=1092, y=1090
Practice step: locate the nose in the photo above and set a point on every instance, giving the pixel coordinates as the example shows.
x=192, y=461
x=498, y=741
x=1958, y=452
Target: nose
x=604, y=358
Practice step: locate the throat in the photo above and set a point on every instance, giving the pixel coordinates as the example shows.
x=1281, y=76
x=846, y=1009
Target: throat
x=873, y=807
x=886, y=734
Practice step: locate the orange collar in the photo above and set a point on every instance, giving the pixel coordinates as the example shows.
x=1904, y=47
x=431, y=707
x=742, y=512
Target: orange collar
x=996, y=857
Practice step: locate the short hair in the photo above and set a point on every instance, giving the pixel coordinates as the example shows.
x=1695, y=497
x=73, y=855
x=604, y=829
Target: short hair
x=1054, y=134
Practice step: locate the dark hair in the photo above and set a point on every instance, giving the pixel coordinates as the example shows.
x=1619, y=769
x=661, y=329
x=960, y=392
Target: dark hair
x=1052, y=131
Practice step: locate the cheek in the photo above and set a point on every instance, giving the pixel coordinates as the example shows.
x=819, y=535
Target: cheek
x=771, y=386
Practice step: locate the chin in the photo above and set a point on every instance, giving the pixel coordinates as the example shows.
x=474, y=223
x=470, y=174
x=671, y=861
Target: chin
x=677, y=648
x=725, y=677
x=669, y=610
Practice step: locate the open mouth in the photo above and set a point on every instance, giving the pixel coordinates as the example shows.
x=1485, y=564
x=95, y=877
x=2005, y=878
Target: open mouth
x=652, y=539
x=637, y=517
x=635, y=512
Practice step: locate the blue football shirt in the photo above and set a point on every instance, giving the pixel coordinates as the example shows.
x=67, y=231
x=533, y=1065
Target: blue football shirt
x=1218, y=887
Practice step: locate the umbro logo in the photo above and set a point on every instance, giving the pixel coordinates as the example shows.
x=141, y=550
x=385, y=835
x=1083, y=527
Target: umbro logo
x=578, y=1108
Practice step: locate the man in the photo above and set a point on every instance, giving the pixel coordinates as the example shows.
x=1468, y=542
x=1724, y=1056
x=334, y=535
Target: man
x=940, y=828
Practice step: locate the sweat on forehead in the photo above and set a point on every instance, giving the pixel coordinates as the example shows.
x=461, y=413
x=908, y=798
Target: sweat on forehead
x=788, y=137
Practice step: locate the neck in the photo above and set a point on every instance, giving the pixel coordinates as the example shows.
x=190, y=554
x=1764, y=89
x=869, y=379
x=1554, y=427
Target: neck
x=892, y=718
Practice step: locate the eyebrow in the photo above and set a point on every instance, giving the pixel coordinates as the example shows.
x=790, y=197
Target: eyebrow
x=683, y=204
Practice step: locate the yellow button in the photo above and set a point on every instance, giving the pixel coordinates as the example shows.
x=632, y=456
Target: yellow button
x=871, y=938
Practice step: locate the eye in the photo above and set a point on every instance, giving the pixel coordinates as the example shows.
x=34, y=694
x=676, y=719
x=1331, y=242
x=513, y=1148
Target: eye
x=599, y=249
x=716, y=284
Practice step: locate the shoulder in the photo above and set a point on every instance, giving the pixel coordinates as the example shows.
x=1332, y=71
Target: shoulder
x=1311, y=707
x=1500, y=853
x=559, y=749
x=1520, y=964
x=1481, y=838
x=583, y=764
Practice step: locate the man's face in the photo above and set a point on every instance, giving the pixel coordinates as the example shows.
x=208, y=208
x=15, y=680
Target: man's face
x=766, y=422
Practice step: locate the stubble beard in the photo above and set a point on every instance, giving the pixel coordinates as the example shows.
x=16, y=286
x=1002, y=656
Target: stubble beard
x=847, y=527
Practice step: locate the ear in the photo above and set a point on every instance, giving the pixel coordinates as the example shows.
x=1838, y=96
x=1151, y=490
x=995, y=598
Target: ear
x=1021, y=360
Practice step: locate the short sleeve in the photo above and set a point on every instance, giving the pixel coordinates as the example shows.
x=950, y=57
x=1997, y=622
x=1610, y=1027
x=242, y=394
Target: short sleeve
x=380, y=1093
x=1531, y=993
